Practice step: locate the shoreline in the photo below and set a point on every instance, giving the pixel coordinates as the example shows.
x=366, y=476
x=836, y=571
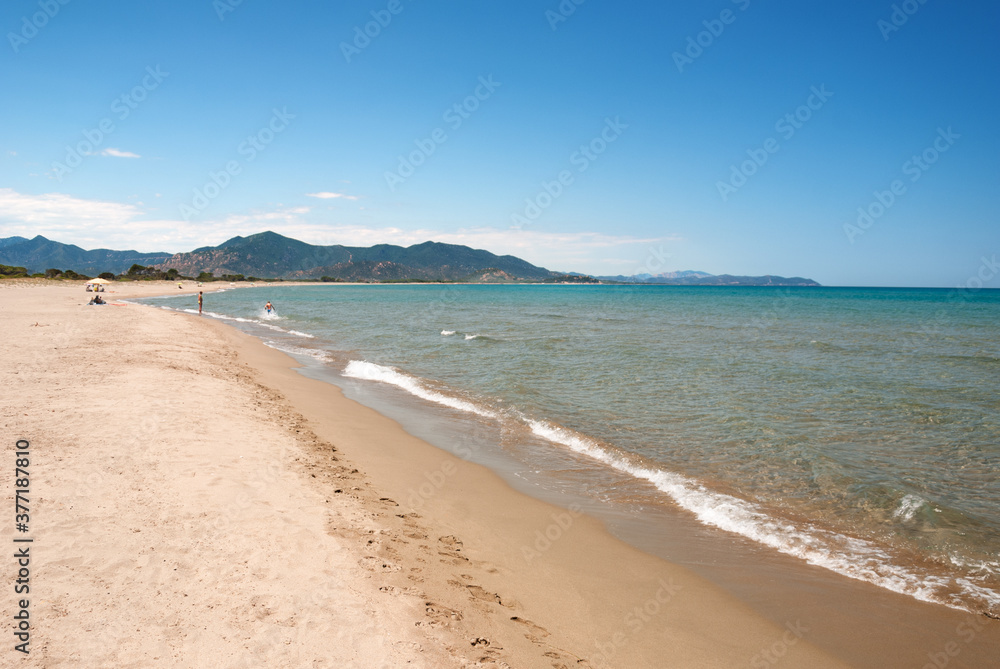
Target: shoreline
x=457, y=567
x=855, y=620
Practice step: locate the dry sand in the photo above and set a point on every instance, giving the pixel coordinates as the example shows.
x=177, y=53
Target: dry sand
x=197, y=503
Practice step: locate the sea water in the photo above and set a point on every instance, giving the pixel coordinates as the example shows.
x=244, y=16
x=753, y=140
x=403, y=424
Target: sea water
x=854, y=429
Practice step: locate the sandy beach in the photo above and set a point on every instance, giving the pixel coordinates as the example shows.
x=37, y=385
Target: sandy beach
x=196, y=502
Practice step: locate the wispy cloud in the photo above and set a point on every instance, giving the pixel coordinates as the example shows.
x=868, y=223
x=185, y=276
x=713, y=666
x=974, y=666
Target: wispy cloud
x=325, y=195
x=118, y=153
x=57, y=209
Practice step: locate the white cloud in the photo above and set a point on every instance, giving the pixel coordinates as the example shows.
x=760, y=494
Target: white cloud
x=567, y=251
x=325, y=195
x=101, y=224
x=59, y=211
x=118, y=153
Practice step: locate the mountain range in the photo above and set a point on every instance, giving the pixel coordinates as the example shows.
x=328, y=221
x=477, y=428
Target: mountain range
x=39, y=254
x=270, y=255
x=690, y=278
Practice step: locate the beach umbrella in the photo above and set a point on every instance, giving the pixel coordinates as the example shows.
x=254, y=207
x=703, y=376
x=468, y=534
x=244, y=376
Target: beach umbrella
x=95, y=283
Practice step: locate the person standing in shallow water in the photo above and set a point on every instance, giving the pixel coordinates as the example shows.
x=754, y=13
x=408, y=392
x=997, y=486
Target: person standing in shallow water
x=269, y=308
x=200, y=300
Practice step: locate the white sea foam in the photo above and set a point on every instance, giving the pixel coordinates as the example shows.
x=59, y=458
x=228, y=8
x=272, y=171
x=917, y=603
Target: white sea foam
x=360, y=369
x=991, y=597
x=908, y=507
x=850, y=556
x=853, y=557
x=473, y=336
x=255, y=321
x=318, y=354
x=272, y=327
x=447, y=333
x=222, y=317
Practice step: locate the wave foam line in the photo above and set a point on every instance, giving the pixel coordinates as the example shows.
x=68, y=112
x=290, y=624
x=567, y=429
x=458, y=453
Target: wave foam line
x=849, y=556
x=238, y=319
x=323, y=356
x=359, y=369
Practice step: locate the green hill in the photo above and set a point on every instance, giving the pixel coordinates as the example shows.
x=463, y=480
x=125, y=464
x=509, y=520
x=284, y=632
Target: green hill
x=268, y=254
x=39, y=254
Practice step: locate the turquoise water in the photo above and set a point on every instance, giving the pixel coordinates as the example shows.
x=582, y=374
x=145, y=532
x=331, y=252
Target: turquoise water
x=856, y=429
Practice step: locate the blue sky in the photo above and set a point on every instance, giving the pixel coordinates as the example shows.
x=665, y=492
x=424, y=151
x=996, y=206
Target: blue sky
x=726, y=136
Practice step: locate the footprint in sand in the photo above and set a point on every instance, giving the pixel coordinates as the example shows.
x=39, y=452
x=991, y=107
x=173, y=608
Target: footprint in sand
x=532, y=632
x=441, y=615
x=377, y=564
x=453, y=547
x=451, y=541
x=484, y=595
x=479, y=593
